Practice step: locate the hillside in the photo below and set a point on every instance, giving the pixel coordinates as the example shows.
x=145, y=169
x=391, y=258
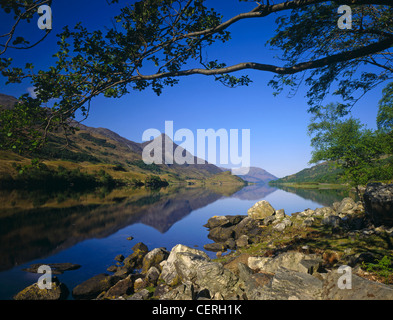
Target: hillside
x=324, y=172
x=95, y=149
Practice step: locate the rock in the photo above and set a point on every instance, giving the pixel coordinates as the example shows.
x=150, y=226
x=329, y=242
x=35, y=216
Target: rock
x=130, y=238
x=333, y=221
x=247, y=226
x=152, y=275
x=289, y=260
x=140, y=284
x=216, y=221
x=119, y=258
x=182, y=292
x=169, y=273
x=252, y=282
x=92, y=287
x=378, y=201
x=346, y=206
x=230, y=244
x=154, y=258
x=221, y=234
x=57, y=268
x=135, y=260
x=205, y=273
x=268, y=220
x=308, y=222
x=144, y=294
x=280, y=214
x=59, y=291
x=242, y=241
x=289, y=285
x=362, y=289
x=112, y=269
x=122, y=287
x=261, y=210
x=215, y=247
x=280, y=226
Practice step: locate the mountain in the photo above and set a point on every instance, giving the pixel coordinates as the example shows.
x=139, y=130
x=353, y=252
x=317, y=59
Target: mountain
x=256, y=175
x=94, y=149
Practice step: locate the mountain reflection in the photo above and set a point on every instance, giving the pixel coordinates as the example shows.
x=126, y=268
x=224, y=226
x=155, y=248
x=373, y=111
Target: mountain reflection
x=36, y=225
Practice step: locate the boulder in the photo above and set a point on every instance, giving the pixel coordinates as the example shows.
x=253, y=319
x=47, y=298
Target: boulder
x=347, y=206
x=332, y=221
x=221, y=234
x=280, y=214
x=216, y=221
x=216, y=247
x=169, y=273
x=122, y=287
x=59, y=291
x=378, y=201
x=154, y=258
x=242, y=241
x=92, y=287
x=289, y=285
x=361, y=289
x=205, y=274
x=135, y=260
x=290, y=260
x=261, y=210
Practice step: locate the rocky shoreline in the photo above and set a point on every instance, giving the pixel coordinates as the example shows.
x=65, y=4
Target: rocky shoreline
x=273, y=256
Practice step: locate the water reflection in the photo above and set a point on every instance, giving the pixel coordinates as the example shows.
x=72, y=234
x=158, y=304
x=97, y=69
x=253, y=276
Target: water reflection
x=31, y=228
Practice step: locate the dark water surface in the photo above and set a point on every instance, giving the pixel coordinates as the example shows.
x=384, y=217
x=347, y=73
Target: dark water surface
x=91, y=229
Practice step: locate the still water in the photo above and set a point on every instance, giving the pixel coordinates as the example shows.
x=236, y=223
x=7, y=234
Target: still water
x=91, y=229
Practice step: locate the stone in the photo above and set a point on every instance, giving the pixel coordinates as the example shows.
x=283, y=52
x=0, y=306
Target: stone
x=135, y=260
x=268, y=220
x=169, y=273
x=242, y=241
x=346, y=206
x=361, y=289
x=143, y=294
x=185, y=291
x=122, y=287
x=154, y=258
x=216, y=221
x=119, y=258
x=280, y=214
x=152, y=275
x=93, y=286
x=221, y=234
x=58, y=291
x=378, y=201
x=332, y=221
x=307, y=222
x=215, y=247
x=289, y=260
x=280, y=226
x=261, y=210
x=289, y=285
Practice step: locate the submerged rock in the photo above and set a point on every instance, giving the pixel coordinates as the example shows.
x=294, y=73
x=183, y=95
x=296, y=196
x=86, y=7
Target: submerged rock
x=58, y=291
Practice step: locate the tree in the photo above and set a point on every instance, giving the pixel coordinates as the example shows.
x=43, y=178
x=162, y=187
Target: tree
x=154, y=43
x=348, y=143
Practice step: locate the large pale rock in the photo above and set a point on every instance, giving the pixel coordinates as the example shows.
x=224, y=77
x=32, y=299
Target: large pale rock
x=289, y=260
x=362, y=289
x=169, y=273
x=346, y=206
x=289, y=285
x=154, y=258
x=261, y=210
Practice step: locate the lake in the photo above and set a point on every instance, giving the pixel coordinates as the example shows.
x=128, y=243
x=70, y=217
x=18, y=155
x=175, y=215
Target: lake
x=90, y=229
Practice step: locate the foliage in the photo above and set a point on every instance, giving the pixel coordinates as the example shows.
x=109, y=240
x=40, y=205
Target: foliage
x=98, y=141
x=39, y=176
x=385, y=110
x=383, y=268
x=149, y=167
x=153, y=43
x=155, y=182
x=355, y=149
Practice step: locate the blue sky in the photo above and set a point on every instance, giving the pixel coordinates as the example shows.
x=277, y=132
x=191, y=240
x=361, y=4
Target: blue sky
x=278, y=125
